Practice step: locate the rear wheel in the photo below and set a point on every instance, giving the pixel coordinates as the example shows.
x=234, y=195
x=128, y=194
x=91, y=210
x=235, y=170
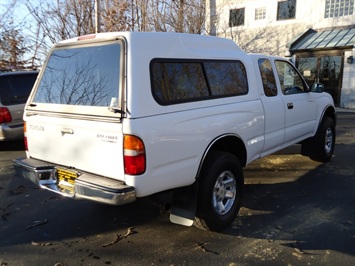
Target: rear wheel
x=220, y=191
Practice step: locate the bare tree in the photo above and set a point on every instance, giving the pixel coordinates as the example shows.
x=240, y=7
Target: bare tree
x=36, y=53
x=60, y=20
x=180, y=16
x=13, y=44
x=63, y=19
x=115, y=15
x=12, y=48
x=50, y=21
x=140, y=15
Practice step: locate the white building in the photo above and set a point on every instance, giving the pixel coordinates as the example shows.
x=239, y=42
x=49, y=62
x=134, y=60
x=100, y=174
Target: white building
x=319, y=35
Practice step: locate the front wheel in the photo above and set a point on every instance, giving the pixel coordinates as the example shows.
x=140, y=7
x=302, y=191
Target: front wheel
x=321, y=147
x=220, y=191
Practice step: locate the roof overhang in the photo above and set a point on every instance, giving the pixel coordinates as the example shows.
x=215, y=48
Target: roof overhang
x=312, y=40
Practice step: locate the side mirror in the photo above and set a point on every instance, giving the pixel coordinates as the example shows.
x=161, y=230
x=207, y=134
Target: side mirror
x=317, y=87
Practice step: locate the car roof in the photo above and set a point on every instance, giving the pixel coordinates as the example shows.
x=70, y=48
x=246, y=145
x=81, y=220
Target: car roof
x=22, y=72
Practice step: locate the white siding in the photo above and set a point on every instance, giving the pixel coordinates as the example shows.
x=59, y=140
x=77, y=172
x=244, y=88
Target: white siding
x=276, y=33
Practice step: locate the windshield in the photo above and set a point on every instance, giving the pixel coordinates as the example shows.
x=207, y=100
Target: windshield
x=85, y=76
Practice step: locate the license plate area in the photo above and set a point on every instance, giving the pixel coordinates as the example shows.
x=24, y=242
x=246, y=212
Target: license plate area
x=66, y=179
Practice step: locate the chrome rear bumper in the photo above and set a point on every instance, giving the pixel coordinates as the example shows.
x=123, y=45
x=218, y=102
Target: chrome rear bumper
x=86, y=186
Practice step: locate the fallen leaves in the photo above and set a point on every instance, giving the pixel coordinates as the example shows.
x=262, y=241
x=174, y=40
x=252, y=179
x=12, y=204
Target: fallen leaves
x=130, y=231
x=202, y=246
x=34, y=243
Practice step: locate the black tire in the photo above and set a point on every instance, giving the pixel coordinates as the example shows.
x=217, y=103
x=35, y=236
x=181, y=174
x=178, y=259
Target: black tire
x=320, y=148
x=220, y=191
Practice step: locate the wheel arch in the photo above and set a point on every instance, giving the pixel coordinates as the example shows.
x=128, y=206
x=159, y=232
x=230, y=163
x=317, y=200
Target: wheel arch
x=227, y=143
x=329, y=111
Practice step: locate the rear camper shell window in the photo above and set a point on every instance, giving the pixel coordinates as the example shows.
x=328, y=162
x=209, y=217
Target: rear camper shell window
x=179, y=81
x=86, y=77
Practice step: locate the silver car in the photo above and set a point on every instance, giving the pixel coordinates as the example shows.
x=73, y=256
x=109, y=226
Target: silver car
x=15, y=88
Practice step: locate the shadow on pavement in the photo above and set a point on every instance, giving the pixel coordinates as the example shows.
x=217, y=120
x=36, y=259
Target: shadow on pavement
x=15, y=145
x=315, y=212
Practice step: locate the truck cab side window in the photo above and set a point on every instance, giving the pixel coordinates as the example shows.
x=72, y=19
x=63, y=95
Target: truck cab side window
x=179, y=81
x=267, y=77
x=226, y=78
x=290, y=81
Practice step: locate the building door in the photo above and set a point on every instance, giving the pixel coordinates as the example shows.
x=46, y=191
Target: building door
x=326, y=69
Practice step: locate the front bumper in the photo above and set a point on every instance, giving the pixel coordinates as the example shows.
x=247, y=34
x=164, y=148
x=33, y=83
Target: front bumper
x=86, y=186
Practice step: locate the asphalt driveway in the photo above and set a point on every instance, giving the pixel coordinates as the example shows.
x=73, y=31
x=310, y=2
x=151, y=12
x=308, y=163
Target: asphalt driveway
x=295, y=212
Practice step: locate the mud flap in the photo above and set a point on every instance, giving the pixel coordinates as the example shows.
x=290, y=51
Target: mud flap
x=184, y=205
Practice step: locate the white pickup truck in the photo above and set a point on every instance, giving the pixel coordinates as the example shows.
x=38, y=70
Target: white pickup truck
x=116, y=116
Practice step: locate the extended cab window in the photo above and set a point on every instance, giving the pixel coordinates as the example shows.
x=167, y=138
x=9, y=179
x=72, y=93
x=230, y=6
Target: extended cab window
x=267, y=77
x=183, y=81
x=290, y=81
x=86, y=76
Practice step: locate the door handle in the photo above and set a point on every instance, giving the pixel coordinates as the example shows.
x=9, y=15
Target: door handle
x=289, y=105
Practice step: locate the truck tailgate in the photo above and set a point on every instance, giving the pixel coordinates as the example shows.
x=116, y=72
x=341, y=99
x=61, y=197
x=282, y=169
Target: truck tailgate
x=90, y=145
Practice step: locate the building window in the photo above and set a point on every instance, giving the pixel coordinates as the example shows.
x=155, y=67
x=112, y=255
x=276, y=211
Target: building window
x=286, y=9
x=338, y=8
x=260, y=13
x=236, y=17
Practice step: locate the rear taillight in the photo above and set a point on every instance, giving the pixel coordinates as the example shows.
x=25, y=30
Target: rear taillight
x=134, y=155
x=25, y=136
x=5, y=116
